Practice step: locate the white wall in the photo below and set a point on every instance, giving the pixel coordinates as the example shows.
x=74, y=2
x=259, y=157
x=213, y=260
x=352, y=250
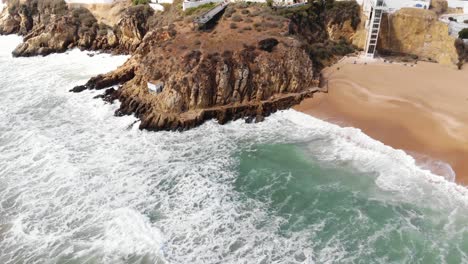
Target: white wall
x=398, y=4
x=164, y=1
x=456, y=3
x=394, y=5
x=157, y=7
x=89, y=1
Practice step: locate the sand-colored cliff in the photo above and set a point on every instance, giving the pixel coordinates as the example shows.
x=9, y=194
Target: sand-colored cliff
x=418, y=32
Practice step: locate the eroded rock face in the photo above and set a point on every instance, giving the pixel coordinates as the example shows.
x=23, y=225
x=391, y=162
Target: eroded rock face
x=197, y=85
x=133, y=26
x=418, y=32
x=46, y=31
x=9, y=24
x=179, y=77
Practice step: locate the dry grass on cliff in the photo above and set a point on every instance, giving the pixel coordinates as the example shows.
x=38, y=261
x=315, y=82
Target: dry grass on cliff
x=241, y=25
x=245, y=24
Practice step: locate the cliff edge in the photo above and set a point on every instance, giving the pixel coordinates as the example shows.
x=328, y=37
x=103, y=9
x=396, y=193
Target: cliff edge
x=248, y=62
x=417, y=32
x=53, y=26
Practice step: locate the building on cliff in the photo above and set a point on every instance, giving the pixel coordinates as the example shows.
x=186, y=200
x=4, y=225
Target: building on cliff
x=394, y=5
x=90, y=2
x=458, y=4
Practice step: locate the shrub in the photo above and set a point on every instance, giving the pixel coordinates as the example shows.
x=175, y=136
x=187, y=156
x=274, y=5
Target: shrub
x=172, y=32
x=267, y=44
x=102, y=32
x=85, y=17
x=248, y=28
x=270, y=24
x=140, y=2
x=462, y=52
x=237, y=18
x=233, y=26
x=463, y=34
x=465, y=21
x=58, y=7
x=199, y=9
x=245, y=12
x=229, y=11
x=322, y=53
x=341, y=11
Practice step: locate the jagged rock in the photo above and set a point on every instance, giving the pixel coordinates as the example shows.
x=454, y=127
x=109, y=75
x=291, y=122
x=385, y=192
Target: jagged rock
x=243, y=83
x=46, y=32
x=198, y=80
x=133, y=26
x=78, y=89
x=109, y=96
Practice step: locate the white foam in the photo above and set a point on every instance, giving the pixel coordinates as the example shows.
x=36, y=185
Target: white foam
x=77, y=184
x=9, y=43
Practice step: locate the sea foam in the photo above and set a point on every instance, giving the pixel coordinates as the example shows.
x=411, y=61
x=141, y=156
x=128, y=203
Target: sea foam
x=78, y=184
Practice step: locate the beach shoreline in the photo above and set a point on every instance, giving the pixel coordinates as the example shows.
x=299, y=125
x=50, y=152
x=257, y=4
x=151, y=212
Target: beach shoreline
x=419, y=108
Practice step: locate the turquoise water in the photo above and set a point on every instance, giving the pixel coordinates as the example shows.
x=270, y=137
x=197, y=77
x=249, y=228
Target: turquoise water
x=79, y=185
x=338, y=212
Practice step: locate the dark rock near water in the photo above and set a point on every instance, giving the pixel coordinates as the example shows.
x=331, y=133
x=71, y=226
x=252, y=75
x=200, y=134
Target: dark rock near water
x=78, y=89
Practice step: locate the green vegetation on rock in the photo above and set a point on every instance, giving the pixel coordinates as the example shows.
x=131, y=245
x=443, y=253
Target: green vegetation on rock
x=199, y=9
x=463, y=34
x=140, y=2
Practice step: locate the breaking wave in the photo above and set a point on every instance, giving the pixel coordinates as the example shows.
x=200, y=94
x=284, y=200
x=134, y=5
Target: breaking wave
x=78, y=185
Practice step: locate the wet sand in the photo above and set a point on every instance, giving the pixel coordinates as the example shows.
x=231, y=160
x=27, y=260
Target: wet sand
x=422, y=109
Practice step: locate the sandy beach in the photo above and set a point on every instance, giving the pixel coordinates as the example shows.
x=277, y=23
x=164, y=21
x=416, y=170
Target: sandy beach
x=421, y=108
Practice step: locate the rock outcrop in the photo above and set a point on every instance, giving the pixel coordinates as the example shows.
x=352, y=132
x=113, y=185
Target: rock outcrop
x=49, y=29
x=198, y=85
x=417, y=32
x=343, y=21
x=179, y=77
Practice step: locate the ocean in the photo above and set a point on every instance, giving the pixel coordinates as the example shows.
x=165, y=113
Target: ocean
x=79, y=185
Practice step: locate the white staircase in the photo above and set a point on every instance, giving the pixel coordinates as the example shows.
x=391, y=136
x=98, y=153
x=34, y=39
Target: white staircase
x=378, y=8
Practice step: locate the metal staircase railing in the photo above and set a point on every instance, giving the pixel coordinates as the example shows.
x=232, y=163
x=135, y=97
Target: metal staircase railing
x=374, y=27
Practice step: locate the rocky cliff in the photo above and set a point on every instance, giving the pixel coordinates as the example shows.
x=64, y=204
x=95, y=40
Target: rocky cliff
x=51, y=26
x=251, y=62
x=417, y=32
x=179, y=77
